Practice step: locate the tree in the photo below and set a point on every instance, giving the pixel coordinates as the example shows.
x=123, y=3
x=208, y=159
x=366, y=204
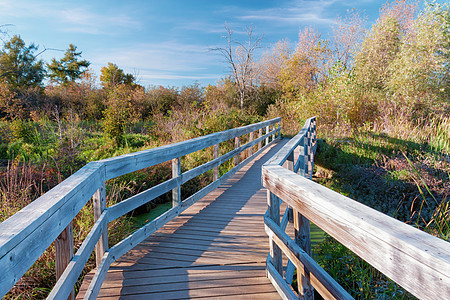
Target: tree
x=239, y=56
x=18, y=64
x=348, y=33
x=382, y=44
x=112, y=75
x=69, y=68
x=420, y=72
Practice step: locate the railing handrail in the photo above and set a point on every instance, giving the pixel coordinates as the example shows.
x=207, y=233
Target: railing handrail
x=28, y=233
x=414, y=259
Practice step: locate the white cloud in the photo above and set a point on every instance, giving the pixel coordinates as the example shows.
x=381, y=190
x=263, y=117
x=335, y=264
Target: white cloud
x=298, y=11
x=169, y=60
x=69, y=17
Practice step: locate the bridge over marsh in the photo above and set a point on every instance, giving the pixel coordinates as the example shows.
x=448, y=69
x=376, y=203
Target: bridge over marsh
x=241, y=236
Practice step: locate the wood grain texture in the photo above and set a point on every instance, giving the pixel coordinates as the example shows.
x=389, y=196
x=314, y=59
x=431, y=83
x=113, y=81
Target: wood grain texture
x=99, y=206
x=216, y=248
x=414, y=259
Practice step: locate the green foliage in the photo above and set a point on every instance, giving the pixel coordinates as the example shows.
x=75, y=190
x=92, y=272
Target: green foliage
x=69, y=68
x=18, y=64
x=119, y=113
x=112, y=75
x=355, y=275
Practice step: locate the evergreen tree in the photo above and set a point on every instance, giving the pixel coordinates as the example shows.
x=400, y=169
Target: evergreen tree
x=69, y=68
x=18, y=64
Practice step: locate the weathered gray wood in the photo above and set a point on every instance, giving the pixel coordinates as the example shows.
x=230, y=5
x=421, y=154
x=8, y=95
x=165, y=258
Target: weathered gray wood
x=44, y=224
x=322, y=281
x=259, y=136
x=237, y=141
x=414, y=259
x=76, y=265
x=99, y=205
x=283, y=289
x=127, y=163
x=100, y=274
x=290, y=270
x=303, y=239
x=215, y=156
x=46, y=217
x=176, y=171
x=250, y=150
x=273, y=203
x=64, y=253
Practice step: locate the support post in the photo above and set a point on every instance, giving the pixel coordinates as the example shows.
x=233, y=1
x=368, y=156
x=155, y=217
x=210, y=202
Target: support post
x=176, y=171
x=279, y=132
x=303, y=239
x=273, y=203
x=64, y=252
x=237, y=142
x=215, y=156
x=290, y=167
x=260, y=142
x=250, y=150
x=99, y=205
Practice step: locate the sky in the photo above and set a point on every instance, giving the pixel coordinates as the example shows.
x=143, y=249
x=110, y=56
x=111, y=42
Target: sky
x=167, y=42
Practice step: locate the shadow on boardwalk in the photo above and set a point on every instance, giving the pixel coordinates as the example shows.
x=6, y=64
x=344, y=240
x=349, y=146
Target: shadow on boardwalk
x=216, y=248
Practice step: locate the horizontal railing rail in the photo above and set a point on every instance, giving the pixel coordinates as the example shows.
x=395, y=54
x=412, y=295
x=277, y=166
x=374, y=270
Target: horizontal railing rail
x=27, y=234
x=417, y=261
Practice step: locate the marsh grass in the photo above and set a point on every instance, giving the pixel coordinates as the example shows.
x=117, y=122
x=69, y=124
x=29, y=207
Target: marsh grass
x=402, y=171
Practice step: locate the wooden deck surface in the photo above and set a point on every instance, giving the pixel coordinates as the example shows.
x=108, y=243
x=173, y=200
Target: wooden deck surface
x=215, y=249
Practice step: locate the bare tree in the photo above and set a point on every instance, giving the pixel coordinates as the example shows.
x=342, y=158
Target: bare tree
x=239, y=56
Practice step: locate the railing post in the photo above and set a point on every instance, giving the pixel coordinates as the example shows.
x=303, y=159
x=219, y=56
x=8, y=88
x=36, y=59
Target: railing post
x=279, y=132
x=215, y=156
x=237, y=141
x=259, y=136
x=176, y=171
x=267, y=131
x=64, y=252
x=99, y=205
x=250, y=150
x=273, y=203
x=303, y=239
x=290, y=167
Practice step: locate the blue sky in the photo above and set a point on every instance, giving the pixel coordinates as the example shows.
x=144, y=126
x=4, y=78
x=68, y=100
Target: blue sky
x=166, y=42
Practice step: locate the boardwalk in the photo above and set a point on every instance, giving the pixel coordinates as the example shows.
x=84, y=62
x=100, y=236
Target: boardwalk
x=216, y=249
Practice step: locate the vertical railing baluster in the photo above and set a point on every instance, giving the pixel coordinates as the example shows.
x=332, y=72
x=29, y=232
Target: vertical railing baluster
x=215, y=156
x=273, y=203
x=290, y=167
x=303, y=239
x=267, y=131
x=250, y=150
x=259, y=136
x=176, y=172
x=237, y=142
x=64, y=252
x=99, y=205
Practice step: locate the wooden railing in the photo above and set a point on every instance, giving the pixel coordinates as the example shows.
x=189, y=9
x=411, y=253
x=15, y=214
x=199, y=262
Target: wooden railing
x=417, y=261
x=29, y=232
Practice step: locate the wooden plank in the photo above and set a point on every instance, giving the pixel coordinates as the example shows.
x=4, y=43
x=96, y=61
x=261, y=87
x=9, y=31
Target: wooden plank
x=176, y=172
x=76, y=265
x=99, y=206
x=306, y=266
x=128, y=163
x=215, y=156
x=237, y=141
x=414, y=259
x=64, y=253
x=274, y=214
x=284, y=290
x=43, y=226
